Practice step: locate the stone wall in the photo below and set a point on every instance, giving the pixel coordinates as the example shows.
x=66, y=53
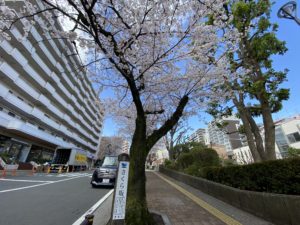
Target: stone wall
x=277, y=208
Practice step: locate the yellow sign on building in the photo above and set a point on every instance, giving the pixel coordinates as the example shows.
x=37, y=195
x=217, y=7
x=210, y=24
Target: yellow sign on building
x=80, y=158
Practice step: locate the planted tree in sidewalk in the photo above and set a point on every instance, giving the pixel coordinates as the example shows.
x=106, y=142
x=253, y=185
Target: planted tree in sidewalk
x=252, y=84
x=140, y=49
x=176, y=137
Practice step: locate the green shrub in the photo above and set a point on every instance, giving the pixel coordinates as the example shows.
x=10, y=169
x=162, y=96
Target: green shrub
x=184, y=160
x=192, y=162
x=6, y=157
x=293, y=152
x=193, y=170
x=278, y=176
x=170, y=164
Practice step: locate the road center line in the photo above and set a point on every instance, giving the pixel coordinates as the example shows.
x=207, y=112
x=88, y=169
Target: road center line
x=29, y=181
x=37, y=185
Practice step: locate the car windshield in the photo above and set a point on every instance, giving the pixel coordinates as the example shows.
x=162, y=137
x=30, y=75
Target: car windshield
x=110, y=161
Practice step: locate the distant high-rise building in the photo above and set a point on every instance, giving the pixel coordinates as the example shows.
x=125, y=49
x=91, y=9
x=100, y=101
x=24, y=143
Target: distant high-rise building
x=227, y=136
x=197, y=136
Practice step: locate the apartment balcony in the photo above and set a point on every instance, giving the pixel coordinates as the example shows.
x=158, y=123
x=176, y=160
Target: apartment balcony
x=4, y=90
x=50, y=122
x=55, y=78
x=6, y=46
x=34, y=75
x=63, y=129
x=7, y=72
x=60, y=99
x=38, y=114
x=44, y=100
x=56, y=111
x=49, y=88
x=68, y=81
x=41, y=64
x=67, y=118
x=47, y=53
x=27, y=88
x=18, y=103
x=65, y=91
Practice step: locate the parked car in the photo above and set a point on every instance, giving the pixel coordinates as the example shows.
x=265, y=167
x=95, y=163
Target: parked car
x=105, y=175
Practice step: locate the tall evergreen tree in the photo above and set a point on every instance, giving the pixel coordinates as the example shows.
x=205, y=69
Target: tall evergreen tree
x=255, y=88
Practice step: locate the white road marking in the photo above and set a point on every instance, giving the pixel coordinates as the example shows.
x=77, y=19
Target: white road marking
x=93, y=208
x=32, y=186
x=33, y=181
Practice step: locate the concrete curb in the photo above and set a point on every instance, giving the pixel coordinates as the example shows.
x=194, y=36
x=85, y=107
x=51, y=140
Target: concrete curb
x=163, y=216
x=276, y=208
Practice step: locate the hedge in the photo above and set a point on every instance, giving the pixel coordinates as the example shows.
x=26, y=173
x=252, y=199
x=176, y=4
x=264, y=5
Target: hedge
x=278, y=176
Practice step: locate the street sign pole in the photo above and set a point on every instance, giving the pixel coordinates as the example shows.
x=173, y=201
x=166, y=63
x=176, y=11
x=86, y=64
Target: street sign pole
x=120, y=192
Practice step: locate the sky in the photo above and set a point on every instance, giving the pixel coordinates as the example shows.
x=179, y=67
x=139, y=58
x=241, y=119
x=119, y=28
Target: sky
x=289, y=32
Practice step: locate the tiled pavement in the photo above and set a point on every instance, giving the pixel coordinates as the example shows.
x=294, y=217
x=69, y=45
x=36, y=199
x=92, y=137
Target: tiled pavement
x=185, y=205
x=180, y=209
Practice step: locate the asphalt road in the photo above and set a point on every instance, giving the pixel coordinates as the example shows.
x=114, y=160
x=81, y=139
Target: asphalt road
x=46, y=199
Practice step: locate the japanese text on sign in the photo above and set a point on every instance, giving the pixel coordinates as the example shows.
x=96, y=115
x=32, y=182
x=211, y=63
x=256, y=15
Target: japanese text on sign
x=121, y=191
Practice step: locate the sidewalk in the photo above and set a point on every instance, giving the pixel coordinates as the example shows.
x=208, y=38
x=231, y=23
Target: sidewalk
x=185, y=205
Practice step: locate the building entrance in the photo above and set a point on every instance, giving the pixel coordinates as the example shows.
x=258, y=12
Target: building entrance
x=40, y=155
x=12, y=150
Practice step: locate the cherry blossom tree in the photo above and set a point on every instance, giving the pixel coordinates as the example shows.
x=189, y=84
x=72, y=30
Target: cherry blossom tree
x=155, y=56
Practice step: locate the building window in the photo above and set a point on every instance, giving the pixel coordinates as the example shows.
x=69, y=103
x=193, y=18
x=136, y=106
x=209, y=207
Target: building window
x=293, y=137
x=40, y=128
x=11, y=114
x=20, y=98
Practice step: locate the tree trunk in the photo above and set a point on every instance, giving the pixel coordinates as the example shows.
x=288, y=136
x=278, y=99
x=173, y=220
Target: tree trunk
x=248, y=130
x=269, y=128
x=136, y=208
x=257, y=135
x=252, y=145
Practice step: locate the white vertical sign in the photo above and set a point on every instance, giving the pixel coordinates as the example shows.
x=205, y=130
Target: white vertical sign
x=121, y=191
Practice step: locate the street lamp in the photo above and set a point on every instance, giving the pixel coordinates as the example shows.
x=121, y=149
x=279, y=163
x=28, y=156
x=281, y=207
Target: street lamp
x=289, y=11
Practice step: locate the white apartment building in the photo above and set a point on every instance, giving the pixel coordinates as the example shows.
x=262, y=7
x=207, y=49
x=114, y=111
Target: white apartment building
x=197, y=136
x=287, y=134
x=45, y=101
x=227, y=136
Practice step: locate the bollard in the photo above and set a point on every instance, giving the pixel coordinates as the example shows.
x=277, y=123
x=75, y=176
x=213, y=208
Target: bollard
x=30, y=172
x=3, y=174
x=89, y=219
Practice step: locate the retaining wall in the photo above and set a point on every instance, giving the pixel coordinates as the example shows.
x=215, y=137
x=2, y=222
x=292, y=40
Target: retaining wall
x=277, y=208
